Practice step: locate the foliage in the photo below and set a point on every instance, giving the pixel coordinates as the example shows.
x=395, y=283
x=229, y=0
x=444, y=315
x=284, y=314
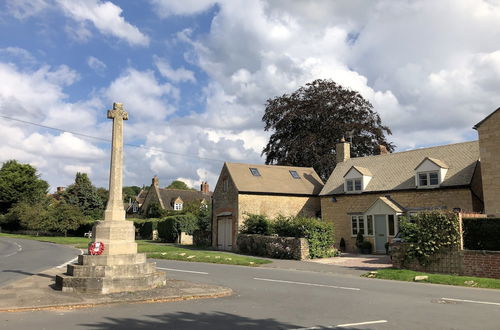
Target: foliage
x=145, y=227
x=366, y=245
x=177, y=184
x=481, y=233
x=83, y=195
x=155, y=211
x=409, y=276
x=65, y=217
x=20, y=183
x=319, y=234
x=104, y=194
x=359, y=240
x=256, y=224
x=431, y=232
x=308, y=123
x=171, y=227
x=130, y=193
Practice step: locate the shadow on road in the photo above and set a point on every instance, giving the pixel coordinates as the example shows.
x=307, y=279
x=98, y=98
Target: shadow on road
x=26, y=273
x=186, y=320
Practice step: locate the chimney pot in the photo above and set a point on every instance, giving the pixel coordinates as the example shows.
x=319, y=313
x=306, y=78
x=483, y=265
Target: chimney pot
x=155, y=181
x=382, y=150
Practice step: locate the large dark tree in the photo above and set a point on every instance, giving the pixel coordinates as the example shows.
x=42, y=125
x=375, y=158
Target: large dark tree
x=308, y=123
x=20, y=183
x=85, y=196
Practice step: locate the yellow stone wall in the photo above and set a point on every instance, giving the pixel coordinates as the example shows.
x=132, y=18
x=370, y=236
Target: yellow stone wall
x=337, y=212
x=225, y=202
x=272, y=206
x=489, y=148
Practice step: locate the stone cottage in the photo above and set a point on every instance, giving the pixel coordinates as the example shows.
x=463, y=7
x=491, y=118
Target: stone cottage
x=368, y=194
x=260, y=189
x=172, y=199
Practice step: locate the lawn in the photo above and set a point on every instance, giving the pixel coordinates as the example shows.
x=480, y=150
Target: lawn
x=160, y=250
x=409, y=275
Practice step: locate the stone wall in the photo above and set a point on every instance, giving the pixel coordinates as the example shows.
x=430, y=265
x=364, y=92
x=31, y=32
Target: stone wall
x=338, y=211
x=273, y=246
x=489, y=149
x=272, y=206
x=456, y=262
x=225, y=203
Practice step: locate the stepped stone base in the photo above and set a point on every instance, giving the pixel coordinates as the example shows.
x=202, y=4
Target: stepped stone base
x=110, y=274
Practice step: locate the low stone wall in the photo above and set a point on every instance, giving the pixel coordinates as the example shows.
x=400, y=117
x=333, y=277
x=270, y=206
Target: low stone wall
x=273, y=246
x=456, y=262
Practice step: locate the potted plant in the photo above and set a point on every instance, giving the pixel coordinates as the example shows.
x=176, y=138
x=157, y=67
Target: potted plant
x=366, y=247
x=342, y=245
x=359, y=241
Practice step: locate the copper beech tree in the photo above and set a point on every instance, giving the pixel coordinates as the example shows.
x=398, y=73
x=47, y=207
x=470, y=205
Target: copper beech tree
x=307, y=124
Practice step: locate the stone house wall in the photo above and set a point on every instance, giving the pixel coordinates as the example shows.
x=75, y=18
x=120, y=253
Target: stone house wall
x=338, y=211
x=489, y=149
x=225, y=203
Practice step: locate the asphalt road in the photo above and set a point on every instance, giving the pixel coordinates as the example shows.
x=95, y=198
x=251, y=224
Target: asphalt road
x=20, y=257
x=267, y=298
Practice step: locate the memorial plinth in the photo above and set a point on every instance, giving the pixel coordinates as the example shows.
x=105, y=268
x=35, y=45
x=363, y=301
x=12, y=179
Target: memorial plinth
x=119, y=268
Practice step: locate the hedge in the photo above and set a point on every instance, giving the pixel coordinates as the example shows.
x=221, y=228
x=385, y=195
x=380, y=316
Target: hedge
x=481, y=233
x=170, y=227
x=145, y=227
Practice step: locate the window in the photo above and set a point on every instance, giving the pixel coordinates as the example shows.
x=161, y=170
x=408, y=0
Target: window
x=255, y=172
x=294, y=174
x=358, y=224
x=369, y=224
x=353, y=184
x=390, y=220
x=427, y=179
x=178, y=206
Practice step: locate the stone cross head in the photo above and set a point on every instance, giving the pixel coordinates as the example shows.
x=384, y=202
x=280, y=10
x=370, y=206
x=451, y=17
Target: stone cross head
x=117, y=112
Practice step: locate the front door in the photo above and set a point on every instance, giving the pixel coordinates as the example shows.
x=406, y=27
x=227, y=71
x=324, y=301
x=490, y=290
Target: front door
x=224, y=233
x=380, y=233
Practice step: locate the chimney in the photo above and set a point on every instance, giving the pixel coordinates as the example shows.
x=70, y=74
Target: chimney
x=60, y=190
x=382, y=150
x=204, y=187
x=155, y=182
x=343, y=151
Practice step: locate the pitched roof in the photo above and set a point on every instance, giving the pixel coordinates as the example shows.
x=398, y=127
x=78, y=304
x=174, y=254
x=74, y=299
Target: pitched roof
x=438, y=162
x=275, y=179
x=361, y=170
x=169, y=196
x=396, y=171
x=486, y=118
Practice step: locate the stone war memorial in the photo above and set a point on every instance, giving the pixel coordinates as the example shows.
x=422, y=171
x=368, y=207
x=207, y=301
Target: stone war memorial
x=118, y=267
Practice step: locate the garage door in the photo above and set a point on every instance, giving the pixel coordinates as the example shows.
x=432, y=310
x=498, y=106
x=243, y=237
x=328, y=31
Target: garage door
x=224, y=233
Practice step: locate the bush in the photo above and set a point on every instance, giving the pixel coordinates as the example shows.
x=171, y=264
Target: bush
x=430, y=233
x=256, y=224
x=319, y=234
x=481, y=233
x=145, y=227
x=170, y=227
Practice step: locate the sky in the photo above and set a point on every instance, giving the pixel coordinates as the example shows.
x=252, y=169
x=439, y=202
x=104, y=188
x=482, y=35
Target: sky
x=194, y=77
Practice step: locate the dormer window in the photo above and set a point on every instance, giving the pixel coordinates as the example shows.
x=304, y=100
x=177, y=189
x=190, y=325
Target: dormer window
x=356, y=179
x=430, y=173
x=353, y=184
x=178, y=206
x=294, y=174
x=255, y=172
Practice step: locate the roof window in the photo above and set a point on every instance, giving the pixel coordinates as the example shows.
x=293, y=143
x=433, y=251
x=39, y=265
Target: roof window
x=294, y=174
x=255, y=172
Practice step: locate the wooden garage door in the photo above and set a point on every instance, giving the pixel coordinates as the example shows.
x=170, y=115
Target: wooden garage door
x=224, y=233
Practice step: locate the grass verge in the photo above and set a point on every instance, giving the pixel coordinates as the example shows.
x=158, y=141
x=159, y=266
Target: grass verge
x=409, y=275
x=159, y=250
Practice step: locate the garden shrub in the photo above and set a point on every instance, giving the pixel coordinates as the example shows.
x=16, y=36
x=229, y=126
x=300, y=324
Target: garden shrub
x=145, y=227
x=256, y=224
x=169, y=228
x=481, y=233
x=431, y=232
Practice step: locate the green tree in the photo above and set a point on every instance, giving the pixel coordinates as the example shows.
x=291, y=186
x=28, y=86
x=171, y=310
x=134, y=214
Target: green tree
x=85, y=196
x=130, y=192
x=31, y=216
x=64, y=217
x=177, y=184
x=20, y=182
x=308, y=123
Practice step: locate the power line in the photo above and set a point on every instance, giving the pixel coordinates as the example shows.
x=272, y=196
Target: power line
x=107, y=140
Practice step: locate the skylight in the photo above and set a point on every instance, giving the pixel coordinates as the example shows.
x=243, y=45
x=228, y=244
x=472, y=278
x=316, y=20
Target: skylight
x=294, y=174
x=255, y=172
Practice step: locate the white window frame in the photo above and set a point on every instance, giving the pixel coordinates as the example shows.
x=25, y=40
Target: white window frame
x=360, y=219
x=428, y=179
x=352, y=184
x=178, y=206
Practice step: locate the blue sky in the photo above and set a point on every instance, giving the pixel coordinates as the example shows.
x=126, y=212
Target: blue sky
x=194, y=76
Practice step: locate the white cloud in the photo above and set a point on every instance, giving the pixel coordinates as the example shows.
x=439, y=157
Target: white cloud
x=175, y=75
x=73, y=169
x=106, y=17
x=96, y=64
x=22, y=9
x=166, y=8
